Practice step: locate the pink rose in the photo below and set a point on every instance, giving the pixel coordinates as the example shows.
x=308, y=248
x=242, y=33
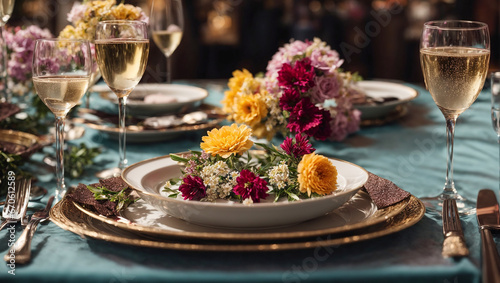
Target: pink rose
x=327, y=87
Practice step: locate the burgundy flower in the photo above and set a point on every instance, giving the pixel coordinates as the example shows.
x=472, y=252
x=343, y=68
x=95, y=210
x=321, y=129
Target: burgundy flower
x=289, y=99
x=297, y=147
x=300, y=76
x=192, y=188
x=251, y=186
x=324, y=130
x=304, y=117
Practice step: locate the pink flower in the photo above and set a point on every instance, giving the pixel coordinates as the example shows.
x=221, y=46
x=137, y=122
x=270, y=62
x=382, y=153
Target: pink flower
x=345, y=122
x=77, y=12
x=326, y=87
x=297, y=147
x=326, y=59
x=192, y=188
x=304, y=117
x=251, y=186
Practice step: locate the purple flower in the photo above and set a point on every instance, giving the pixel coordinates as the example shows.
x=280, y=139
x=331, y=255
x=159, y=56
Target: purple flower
x=297, y=147
x=251, y=186
x=304, y=117
x=345, y=122
x=192, y=188
x=326, y=87
x=300, y=76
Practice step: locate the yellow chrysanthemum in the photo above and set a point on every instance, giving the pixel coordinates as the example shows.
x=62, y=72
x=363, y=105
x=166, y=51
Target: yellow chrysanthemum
x=228, y=101
x=125, y=12
x=227, y=140
x=250, y=109
x=238, y=79
x=317, y=174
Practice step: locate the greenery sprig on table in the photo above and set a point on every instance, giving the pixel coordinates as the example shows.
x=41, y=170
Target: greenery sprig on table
x=78, y=158
x=121, y=198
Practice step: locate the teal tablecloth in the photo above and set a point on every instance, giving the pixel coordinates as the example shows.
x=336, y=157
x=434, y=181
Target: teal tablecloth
x=410, y=152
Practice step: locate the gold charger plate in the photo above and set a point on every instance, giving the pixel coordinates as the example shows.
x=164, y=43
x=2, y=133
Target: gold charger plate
x=68, y=217
x=359, y=213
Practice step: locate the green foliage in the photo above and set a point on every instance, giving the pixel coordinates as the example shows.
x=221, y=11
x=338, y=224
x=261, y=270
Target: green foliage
x=121, y=198
x=78, y=158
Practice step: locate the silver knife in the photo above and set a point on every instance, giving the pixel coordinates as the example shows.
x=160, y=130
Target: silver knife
x=454, y=243
x=488, y=217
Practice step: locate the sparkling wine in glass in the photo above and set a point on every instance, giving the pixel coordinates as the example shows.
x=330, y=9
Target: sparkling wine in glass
x=495, y=104
x=167, y=24
x=61, y=74
x=6, y=7
x=122, y=49
x=454, y=56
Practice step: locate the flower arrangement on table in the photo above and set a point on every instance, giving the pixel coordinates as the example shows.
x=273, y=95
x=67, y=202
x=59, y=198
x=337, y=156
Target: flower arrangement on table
x=85, y=16
x=225, y=169
x=303, y=91
x=20, y=48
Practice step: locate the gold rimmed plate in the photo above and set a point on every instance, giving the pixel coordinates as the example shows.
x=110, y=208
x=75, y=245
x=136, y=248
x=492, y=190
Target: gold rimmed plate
x=19, y=142
x=67, y=216
x=359, y=213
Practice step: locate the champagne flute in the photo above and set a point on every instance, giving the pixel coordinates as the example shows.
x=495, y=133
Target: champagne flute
x=122, y=49
x=495, y=104
x=94, y=77
x=167, y=24
x=6, y=7
x=61, y=73
x=454, y=56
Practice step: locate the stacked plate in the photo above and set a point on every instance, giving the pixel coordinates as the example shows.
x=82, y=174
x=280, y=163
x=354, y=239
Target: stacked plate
x=161, y=222
x=168, y=101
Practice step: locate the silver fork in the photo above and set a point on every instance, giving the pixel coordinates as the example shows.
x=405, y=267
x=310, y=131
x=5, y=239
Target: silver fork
x=22, y=247
x=16, y=202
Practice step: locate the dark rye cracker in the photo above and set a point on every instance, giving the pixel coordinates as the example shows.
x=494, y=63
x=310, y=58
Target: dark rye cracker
x=383, y=192
x=84, y=196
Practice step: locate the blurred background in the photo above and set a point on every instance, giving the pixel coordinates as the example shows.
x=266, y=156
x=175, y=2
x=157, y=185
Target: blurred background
x=377, y=38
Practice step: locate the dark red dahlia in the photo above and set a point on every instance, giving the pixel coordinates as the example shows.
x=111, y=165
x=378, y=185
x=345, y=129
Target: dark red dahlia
x=192, y=188
x=251, y=186
x=324, y=130
x=297, y=147
x=289, y=99
x=304, y=117
x=300, y=76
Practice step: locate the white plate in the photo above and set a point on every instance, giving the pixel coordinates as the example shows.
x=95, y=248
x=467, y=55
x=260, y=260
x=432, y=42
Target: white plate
x=380, y=89
x=186, y=98
x=148, y=178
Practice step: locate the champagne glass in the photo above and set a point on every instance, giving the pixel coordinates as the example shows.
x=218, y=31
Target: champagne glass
x=167, y=24
x=94, y=77
x=122, y=49
x=6, y=7
x=495, y=104
x=454, y=56
x=61, y=73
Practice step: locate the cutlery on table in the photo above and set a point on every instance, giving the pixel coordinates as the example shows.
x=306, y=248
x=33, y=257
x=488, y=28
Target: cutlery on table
x=454, y=243
x=488, y=217
x=22, y=247
x=14, y=210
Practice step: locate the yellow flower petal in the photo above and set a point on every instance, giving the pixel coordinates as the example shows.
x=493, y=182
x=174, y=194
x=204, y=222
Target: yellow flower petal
x=317, y=175
x=227, y=140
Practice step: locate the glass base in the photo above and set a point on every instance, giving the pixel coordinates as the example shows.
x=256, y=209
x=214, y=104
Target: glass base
x=435, y=204
x=108, y=173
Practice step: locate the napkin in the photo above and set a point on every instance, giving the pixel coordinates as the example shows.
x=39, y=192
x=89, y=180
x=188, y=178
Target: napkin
x=383, y=192
x=84, y=196
x=7, y=110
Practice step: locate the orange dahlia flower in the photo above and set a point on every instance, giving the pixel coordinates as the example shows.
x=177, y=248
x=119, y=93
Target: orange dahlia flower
x=227, y=140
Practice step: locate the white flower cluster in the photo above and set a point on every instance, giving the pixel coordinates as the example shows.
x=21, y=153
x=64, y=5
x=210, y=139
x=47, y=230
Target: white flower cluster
x=219, y=180
x=275, y=112
x=279, y=175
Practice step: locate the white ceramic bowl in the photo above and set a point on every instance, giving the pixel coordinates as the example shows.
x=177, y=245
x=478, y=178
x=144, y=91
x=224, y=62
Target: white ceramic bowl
x=148, y=178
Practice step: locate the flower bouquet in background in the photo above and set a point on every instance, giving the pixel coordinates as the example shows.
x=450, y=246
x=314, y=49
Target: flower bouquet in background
x=85, y=16
x=225, y=169
x=20, y=47
x=302, y=92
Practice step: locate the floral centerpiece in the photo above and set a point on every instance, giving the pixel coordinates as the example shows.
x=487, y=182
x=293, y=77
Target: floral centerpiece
x=303, y=91
x=85, y=16
x=20, y=48
x=225, y=169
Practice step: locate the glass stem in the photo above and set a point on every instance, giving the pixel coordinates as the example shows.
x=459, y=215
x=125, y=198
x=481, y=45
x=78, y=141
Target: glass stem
x=122, y=103
x=5, y=93
x=61, y=188
x=169, y=70
x=449, y=190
